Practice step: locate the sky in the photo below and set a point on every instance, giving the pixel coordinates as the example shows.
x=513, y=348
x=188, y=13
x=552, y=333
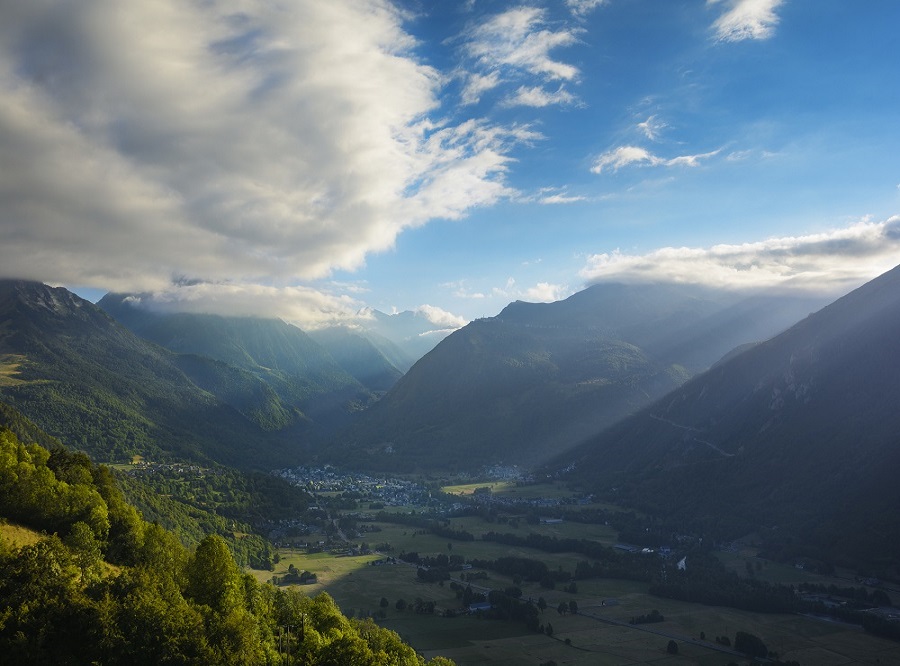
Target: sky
x=311, y=160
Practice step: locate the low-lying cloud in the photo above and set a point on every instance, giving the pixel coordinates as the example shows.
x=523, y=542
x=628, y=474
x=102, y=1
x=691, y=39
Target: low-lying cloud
x=829, y=262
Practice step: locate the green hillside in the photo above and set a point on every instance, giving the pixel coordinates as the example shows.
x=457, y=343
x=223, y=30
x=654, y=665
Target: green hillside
x=84, y=378
x=267, y=369
x=108, y=588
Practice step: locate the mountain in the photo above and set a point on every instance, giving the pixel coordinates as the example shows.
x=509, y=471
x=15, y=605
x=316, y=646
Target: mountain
x=796, y=437
x=542, y=377
x=360, y=357
x=403, y=337
x=270, y=370
x=86, y=379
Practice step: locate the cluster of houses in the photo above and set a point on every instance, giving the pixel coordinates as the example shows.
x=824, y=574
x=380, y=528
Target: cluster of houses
x=145, y=467
x=328, y=479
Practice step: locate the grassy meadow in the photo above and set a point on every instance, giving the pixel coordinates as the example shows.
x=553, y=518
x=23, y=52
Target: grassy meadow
x=358, y=587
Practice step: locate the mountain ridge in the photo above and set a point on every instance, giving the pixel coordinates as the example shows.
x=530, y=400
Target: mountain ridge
x=806, y=420
x=538, y=378
x=84, y=378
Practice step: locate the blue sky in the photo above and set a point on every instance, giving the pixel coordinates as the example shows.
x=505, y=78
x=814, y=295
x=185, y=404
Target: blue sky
x=309, y=160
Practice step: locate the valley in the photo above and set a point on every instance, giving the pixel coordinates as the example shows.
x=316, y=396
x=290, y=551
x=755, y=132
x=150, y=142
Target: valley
x=368, y=577
x=626, y=476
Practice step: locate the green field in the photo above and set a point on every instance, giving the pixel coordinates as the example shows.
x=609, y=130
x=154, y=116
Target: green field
x=9, y=369
x=358, y=587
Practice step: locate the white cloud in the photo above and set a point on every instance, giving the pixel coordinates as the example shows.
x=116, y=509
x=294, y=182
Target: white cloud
x=239, y=140
x=690, y=160
x=539, y=97
x=652, y=128
x=544, y=292
x=746, y=19
x=517, y=38
x=623, y=156
x=478, y=84
x=515, y=47
x=556, y=199
x=302, y=306
x=634, y=155
x=828, y=262
x=439, y=317
x=584, y=7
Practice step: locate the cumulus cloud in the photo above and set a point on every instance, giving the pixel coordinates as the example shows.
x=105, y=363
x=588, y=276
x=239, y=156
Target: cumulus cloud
x=828, y=262
x=441, y=318
x=634, y=155
x=746, y=19
x=545, y=292
x=236, y=141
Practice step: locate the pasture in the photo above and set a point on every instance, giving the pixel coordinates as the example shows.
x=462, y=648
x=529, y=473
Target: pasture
x=598, y=634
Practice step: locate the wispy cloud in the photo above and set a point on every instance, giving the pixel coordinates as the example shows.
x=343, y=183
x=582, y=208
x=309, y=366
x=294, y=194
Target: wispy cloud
x=652, y=128
x=635, y=155
x=556, y=196
x=746, y=19
x=539, y=97
x=828, y=262
x=156, y=139
x=557, y=199
x=518, y=38
x=584, y=7
x=478, y=84
x=515, y=47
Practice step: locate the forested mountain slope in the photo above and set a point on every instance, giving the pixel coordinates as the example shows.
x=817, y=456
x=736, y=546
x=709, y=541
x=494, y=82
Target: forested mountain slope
x=798, y=436
x=83, y=377
x=540, y=378
x=260, y=363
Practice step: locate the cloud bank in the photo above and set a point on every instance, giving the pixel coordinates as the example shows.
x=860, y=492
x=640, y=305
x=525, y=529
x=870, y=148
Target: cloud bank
x=232, y=142
x=305, y=307
x=828, y=263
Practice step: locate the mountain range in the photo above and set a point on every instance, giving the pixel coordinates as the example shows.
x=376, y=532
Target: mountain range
x=88, y=380
x=797, y=437
x=702, y=408
x=538, y=379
